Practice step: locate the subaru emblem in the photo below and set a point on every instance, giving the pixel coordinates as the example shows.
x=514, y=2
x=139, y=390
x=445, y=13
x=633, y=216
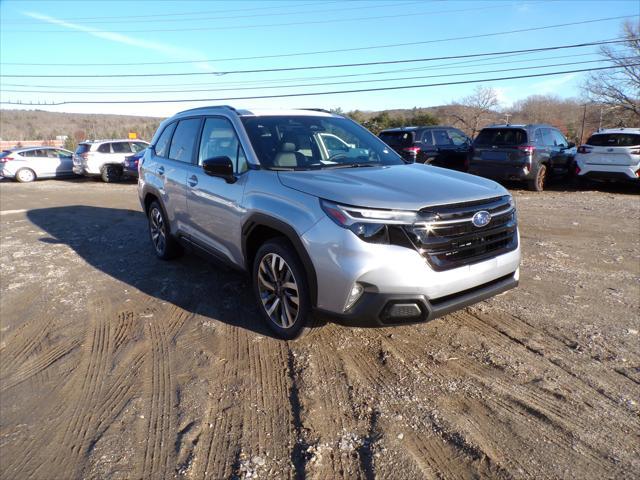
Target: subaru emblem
x=481, y=218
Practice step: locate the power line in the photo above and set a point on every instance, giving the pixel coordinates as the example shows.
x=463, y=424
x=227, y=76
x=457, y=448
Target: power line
x=456, y=65
x=200, y=18
x=322, y=52
x=314, y=67
x=262, y=87
x=335, y=92
x=263, y=25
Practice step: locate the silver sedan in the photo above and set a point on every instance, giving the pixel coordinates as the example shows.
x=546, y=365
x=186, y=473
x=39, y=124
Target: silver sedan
x=28, y=164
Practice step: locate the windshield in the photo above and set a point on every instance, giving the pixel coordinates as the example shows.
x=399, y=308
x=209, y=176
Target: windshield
x=501, y=136
x=310, y=142
x=614, y=140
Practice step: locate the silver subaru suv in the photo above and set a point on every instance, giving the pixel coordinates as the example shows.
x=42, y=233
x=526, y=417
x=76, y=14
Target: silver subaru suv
x=350, y=232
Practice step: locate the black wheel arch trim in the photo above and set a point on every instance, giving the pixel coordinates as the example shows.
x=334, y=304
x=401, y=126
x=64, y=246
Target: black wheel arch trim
x=263, y=220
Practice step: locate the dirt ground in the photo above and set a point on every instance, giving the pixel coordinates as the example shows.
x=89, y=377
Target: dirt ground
x=117, y=365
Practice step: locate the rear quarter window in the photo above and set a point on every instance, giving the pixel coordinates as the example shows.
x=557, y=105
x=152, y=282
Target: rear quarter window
x=501, y=137
x=614, y=140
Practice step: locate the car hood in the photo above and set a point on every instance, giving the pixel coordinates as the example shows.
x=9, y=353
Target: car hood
x=401, y=187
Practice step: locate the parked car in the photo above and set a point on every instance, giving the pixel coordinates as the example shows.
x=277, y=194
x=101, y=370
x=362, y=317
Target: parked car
x=31, y=163
x=441, y=146
x=365, y=238
x=104, y=158
x=130, y=166
x=610, y=154
x=526, y=153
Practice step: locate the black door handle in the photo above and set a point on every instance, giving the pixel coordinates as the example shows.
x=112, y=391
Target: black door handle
x=160, y=171
x=193, y=181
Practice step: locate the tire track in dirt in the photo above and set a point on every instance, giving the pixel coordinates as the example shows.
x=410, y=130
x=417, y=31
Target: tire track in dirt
x=328, y=410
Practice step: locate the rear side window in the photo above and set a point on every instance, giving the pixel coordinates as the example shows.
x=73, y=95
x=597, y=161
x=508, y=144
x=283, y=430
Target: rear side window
x=162, y=145
x=501, y=136
x=184, y=140
x=121, y=147
x=427, y=137
x=105, y=148
x=448, y=137
x=397, y=139
x=614, y=140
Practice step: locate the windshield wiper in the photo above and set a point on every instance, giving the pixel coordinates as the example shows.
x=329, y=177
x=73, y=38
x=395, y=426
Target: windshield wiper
x=353, y=165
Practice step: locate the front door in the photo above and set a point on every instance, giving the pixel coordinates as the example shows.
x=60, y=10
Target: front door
x=214, y=205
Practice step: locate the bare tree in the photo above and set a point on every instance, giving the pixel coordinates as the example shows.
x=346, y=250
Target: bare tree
x=620, y=87
x=475, y=110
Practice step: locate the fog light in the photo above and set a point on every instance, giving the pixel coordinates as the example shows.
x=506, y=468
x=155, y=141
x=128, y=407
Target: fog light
x=356, y=292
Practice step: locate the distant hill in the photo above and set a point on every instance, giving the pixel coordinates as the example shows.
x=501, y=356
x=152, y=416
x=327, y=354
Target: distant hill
x=38, y=124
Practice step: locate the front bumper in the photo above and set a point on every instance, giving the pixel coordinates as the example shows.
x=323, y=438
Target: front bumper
x=377, y=309
x=341, y=259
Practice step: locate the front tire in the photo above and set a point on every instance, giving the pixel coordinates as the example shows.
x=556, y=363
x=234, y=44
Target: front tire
x=110, y=173
x=538, y=183
x=281, y=290
x=164, y=245
x=25, y=175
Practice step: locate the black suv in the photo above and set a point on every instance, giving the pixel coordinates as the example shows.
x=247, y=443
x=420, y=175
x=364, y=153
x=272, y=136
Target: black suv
x=530, y=153
x=441, y=146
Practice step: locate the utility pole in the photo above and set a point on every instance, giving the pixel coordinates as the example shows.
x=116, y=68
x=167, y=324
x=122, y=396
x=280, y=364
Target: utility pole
x=506, y=116
x=584, y=114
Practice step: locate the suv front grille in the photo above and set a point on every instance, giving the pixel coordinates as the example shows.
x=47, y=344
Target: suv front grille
x=451, y=240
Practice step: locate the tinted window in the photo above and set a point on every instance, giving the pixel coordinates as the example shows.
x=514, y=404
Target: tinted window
x=121, y=147
x=501, y=136
x=184, y=140
x=82, y=148
x=219, y=139
x=28, y=153
x=614, y=140
x=538, y=137
x=105, y=148
x=162, y=145
x=397, y=139
x=427, y=137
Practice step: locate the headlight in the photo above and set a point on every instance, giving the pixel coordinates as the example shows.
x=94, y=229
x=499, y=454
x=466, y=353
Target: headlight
x=373, y=225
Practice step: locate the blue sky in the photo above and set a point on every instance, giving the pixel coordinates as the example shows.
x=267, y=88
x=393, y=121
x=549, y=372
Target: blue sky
x=214, y=33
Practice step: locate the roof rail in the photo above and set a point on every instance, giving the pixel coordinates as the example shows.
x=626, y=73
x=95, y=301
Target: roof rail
x=209, y=106
x=324, y=110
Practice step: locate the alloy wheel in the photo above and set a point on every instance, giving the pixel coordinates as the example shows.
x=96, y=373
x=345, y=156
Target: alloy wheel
x=158, y=233
x=278, y=290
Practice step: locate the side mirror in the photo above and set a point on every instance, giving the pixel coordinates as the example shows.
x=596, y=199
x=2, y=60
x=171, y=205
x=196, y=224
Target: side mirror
x=219, y=167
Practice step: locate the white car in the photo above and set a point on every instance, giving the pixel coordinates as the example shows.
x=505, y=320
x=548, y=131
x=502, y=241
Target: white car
x=610, y=154
x=28, y=164
x=105, y=158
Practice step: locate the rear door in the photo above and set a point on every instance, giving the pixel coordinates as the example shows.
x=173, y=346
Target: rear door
x=41, y=163
x=612, y=149
x=452, y=148
x=214, y=204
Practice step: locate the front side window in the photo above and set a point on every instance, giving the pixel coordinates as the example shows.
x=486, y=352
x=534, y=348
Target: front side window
x=547, y=135
x=162, y=145
x=219, y=139
x=559, y=139
x=184, y=140
x=121, y=147
x=457, y=137
x=292, y=143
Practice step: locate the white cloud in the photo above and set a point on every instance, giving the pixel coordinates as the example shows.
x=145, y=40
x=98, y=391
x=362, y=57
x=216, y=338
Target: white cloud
x=169, y=50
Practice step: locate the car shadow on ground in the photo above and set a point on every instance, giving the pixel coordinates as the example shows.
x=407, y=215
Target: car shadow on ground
x=116, y=242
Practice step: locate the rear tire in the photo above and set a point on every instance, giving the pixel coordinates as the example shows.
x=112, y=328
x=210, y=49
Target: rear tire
x=25, y=175
x=111, y=173
x=164, y=245
x=281, y=290
x=538, y=183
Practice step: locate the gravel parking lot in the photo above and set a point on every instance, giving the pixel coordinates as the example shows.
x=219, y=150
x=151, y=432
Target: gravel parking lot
x=116, y=365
